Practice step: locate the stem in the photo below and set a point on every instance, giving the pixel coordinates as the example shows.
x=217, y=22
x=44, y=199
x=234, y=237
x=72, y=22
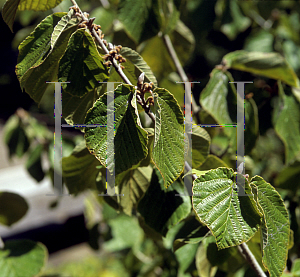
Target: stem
x=99, y=40
x=179, y=68
x=243, y=248
x=249, y=257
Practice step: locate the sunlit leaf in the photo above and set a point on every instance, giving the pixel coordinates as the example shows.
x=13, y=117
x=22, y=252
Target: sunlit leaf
x=22, y=258
x=168, y=149
x=11, y=6
x=232, y=219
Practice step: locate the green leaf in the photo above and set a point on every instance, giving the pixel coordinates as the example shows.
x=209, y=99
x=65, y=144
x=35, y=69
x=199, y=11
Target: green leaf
x=130, y=137
x=169, y=15
x=200, y=145
x=275, y=226
x=104, y=17
x=232, y=219
x=168, y=149
x=134, y=66
x=140, y=18
x=157, y=56
x=66, y=21
x=162, y=207
x=22, y=258
x=35, y=78
x=296, y=268
x=43, y=5
x=204, y=267
x=15, y=137
x=35, y=48
x=233, y=21
x=260, y=40
x=287, y=124
x=75, y=108
x=271, y=65
x=81, y=65
x=288, y=178
x=34, y=163
x=251, y=125
x=212, y=162
x=133, y=187
x=12, y=208
x=126, y=233
x=186, y=257
x=80, y=170
x=213, y=98
x=11, y=6
x=192, y=232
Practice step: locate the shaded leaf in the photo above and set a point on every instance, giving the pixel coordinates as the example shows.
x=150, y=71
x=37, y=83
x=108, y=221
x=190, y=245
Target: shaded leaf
x=81, y=65
x=233, y=21
x=251, y=125
x=214, y=97
x=35, y=48
x=157, y=56
x=133, y=186
x=204, y=267
x=75, y=108
x=287, y=124
x=12, y=208
x=15, y=137
x=80, y=170
x=192, y=232
x=34, y=163
x=275, y=226
x=35, y=79
x=271, y=65
x=200, y=145
x=140, y=18
x=130, y=137
x=162, y=207
x=288, y=178
x=212, y=162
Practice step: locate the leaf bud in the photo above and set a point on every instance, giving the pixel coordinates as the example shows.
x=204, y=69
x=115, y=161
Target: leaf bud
x=141, y=79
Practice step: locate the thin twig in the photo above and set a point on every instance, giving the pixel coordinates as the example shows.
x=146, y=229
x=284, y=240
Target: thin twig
x=179, y=68
x=249, y=257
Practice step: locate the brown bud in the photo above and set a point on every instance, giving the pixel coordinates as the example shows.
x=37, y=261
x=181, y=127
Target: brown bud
x=150, y=100
x=122, y=67
x=108, y=63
